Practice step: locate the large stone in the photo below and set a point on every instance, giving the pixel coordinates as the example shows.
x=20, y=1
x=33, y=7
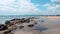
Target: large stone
x=21, y=27
x=8, y=23
x=7, y=32
x=14, y=19
x=12, y=27
x=31, y=25
x=3, y=27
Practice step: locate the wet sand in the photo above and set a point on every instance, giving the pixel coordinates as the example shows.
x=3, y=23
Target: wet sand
x=28, y=32
x=52, y=17
x=51, y=22
x=53, y=25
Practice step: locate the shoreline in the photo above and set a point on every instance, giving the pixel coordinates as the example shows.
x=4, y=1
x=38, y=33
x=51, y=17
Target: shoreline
x=52, y=17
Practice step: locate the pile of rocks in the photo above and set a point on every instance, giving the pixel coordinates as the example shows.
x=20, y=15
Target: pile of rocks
x=15, y=21
x=10, y=25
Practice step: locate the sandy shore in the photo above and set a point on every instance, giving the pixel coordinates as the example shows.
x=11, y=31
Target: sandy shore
x=52, y=17
x=53, y=24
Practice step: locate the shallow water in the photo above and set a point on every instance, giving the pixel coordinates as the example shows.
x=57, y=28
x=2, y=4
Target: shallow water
x=4, y=18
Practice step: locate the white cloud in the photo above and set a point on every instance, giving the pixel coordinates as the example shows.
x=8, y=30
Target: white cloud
x=20, y=7
x=8, y=5
x=46, y=5
x=27, y=6
x=52, y=7
x=55, y=0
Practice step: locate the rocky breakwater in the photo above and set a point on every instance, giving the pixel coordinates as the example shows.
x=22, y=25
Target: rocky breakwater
x=4, y=29
x=10, y=25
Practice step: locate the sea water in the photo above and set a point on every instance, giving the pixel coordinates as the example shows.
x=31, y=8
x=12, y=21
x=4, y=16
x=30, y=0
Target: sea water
x=9, y=17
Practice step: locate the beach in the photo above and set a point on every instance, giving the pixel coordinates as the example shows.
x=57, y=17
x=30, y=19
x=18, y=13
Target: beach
x=44, y=25
x=52, y=17
x=53, y=26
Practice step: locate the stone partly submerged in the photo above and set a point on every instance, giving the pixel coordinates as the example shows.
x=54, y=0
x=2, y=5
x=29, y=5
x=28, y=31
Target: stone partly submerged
x=31, y=25
x=7, y=32
x=21, y=27
x=3, y=27
x=23, y=20
x=13, y=27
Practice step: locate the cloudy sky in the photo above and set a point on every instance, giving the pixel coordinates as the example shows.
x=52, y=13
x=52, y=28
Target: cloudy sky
x=29, y=7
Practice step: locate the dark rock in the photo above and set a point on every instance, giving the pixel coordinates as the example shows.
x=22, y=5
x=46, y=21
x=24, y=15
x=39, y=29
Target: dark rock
x=27, y=21
x=8, y=23
x=21, y=27
x=3, y=27
x=31, y=25
x=23, y=19
x=14, y=19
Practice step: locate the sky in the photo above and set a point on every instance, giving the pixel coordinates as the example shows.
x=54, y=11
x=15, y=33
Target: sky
x=29, y=7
